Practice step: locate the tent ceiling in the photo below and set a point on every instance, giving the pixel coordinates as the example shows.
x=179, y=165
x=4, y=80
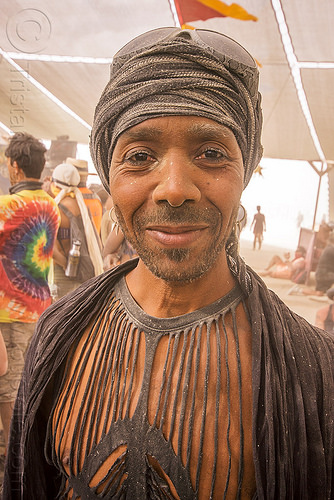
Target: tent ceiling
x=26, y=108
x=78, y=85
x=98, y=28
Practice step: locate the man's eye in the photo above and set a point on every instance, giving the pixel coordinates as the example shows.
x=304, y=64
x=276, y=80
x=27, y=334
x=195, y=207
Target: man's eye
x=138, y=157
x=141, y=156
x=212, y=154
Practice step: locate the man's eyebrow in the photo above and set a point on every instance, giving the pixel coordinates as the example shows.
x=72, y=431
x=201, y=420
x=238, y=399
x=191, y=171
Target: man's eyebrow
x=208, y=130
x=204, y=131
x=142, y=133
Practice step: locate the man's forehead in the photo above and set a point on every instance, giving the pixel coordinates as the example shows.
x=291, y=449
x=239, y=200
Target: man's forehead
x=191, y=125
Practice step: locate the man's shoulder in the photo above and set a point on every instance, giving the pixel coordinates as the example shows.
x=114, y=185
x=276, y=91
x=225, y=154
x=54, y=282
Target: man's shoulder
x=79, y=307
x=27, y=194
x=10, y=202
x=46, y=198
x=38, y=195
x=6, y=198
x=28, y=203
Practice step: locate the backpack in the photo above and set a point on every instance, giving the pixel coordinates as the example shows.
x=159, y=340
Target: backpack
x=77, y=232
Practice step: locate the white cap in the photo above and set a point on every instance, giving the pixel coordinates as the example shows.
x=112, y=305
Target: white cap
x=65, y=175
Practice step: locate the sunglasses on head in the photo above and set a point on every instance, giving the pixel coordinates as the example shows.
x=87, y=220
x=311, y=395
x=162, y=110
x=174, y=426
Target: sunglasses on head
x=221, y=45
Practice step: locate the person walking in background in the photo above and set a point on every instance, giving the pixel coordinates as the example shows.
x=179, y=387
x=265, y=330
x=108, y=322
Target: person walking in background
x=29, y=220
x=91, y=199
x=259, y=223
x=76, y=225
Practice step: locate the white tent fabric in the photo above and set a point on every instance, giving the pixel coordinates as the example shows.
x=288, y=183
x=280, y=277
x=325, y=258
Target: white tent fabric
x=98, y=28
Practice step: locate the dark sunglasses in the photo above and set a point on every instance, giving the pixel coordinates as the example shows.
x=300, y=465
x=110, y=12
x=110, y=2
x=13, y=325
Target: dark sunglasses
x=221, y=45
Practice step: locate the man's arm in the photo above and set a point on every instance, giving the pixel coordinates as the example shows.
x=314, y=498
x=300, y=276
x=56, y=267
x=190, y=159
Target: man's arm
x=58, y=255
x=3, y=356
x=252, y=222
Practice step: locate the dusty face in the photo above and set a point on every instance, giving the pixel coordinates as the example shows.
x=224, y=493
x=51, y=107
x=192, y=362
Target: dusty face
x=176, y=183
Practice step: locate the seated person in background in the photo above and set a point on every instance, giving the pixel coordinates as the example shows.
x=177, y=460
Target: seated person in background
x=286, y=269
x=325, y=316
x=324, y=273
x=276, y=259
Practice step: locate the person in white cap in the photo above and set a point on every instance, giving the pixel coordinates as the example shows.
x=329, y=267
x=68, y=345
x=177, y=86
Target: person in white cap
x=74, y=217
x=92, y=200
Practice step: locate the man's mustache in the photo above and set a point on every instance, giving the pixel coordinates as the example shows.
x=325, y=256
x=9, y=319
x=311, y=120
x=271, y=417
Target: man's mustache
x=185, y=214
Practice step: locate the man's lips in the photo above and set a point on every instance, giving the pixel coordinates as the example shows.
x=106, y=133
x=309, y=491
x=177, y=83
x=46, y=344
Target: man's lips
x=176, y=236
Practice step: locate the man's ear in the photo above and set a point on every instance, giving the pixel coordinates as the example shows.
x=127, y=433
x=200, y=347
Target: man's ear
x=18, y=171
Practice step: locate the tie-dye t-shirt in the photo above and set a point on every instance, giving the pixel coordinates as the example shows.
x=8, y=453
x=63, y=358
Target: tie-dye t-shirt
x=29, y=221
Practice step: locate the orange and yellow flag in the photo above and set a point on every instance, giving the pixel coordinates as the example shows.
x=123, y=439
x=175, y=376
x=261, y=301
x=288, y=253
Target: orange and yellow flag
x=201, y=10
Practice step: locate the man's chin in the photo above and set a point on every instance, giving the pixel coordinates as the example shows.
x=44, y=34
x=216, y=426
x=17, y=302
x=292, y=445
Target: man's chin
x=174, y=275
x=177, y=266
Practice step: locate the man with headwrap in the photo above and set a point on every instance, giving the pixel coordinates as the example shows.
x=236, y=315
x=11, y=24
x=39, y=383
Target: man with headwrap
x=178, y=374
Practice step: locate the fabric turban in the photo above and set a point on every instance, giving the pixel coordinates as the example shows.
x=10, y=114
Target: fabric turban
x=180, y=75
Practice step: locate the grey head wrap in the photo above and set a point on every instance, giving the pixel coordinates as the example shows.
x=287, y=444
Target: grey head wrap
x=179, y=75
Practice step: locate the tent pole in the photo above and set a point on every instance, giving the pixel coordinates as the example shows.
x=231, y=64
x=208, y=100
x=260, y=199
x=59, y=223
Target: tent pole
x=318, y=192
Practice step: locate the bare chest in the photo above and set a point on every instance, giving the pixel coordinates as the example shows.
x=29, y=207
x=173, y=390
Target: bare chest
x=172, y=410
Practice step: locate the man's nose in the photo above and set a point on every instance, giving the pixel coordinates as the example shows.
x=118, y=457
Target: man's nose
x=177, y=182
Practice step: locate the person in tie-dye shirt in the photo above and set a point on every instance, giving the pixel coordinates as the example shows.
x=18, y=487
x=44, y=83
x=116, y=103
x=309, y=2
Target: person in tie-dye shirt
x=29, y=221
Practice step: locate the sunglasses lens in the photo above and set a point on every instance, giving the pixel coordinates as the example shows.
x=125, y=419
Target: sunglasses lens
x=221, y=44
x=225, y=46
x=146, y=40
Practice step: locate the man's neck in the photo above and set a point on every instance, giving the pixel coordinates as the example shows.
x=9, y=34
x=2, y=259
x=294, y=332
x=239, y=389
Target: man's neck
x=164, y=299
x=23, y=178
x=26, y=183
